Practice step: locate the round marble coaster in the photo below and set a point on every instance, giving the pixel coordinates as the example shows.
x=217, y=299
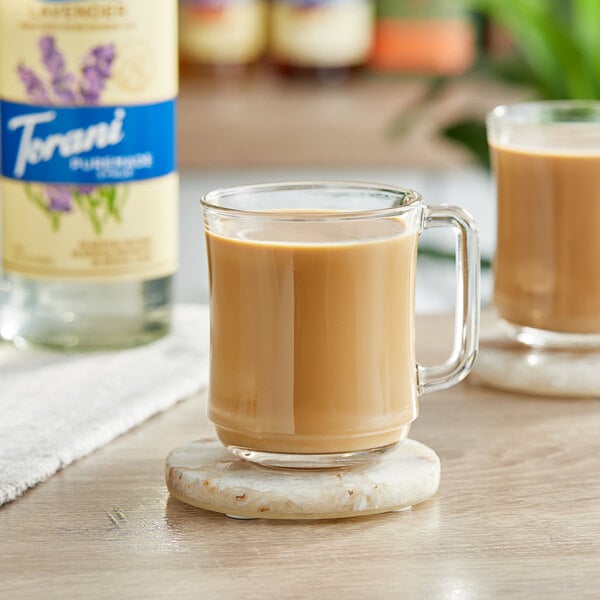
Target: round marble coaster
x=205, y=474
x=507, y=364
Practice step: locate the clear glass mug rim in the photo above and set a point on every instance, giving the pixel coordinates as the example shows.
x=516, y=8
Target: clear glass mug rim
x=411, y=200
x=514, y=113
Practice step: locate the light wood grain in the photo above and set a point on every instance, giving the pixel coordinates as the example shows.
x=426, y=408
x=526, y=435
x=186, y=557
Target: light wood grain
x=270, y=122
x=517, y=516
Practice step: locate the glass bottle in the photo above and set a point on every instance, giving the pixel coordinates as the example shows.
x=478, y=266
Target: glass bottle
x=322, y=39
x=222, y=37
x=89, y=189
x=424, y=36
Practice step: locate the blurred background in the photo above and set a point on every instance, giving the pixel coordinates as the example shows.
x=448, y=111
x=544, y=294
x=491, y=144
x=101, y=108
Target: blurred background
x=389, y=91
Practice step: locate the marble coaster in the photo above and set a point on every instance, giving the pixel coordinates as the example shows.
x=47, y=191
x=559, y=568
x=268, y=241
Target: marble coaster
x=204, y=474
x=507, y=364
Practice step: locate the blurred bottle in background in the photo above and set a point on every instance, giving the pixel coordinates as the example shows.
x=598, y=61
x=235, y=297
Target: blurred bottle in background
x=222, y=37
x=89, y=188
x=424, y=36
x=321, y=39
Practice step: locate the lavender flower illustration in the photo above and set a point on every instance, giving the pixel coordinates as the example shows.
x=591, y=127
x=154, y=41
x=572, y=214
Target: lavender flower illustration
x=99, y=203
x=54, y=61
x=59, y=198
x=96, y=68
x=34, y=86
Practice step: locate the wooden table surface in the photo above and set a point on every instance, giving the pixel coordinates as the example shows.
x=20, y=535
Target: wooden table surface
x=266, y=121
x=517, y=516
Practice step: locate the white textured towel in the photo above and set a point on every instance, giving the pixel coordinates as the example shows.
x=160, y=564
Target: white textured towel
x=56, y=408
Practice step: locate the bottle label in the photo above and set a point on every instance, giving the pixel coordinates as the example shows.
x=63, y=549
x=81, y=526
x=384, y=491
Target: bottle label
x=87, y=145
x=87, y=125
x=322, y=33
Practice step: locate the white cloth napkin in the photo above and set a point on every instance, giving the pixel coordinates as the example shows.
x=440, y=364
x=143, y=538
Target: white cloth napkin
x=56, y=408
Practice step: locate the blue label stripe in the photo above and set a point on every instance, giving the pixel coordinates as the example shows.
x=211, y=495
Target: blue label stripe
x=95, y=145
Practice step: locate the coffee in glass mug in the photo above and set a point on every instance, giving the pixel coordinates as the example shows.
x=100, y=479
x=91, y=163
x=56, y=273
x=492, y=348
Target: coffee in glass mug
x=312, y=290
x=546, y=159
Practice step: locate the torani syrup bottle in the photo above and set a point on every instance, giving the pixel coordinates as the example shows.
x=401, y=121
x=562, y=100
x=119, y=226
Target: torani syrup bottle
x=89, y=189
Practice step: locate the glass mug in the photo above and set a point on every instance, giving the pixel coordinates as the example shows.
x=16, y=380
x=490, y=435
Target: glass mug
x=312, y=318
x=546, y=159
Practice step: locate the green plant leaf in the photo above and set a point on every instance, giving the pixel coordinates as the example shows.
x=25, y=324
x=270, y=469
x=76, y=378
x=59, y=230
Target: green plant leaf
x=513, y=70
x=546, y=44
x=585, y=19
x=111, y=201
x=471, y=135
x=88, y=204
x=55, y=220
x=35, y=198
x=402, y=124
x=122, y=195
x=40, y=202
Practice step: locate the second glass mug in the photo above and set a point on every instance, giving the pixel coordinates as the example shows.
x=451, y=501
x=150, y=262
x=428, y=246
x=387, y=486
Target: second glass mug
x=546, y=270
x=312, y=318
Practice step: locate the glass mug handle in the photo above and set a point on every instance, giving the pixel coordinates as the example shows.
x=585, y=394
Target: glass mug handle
x=466, y=328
